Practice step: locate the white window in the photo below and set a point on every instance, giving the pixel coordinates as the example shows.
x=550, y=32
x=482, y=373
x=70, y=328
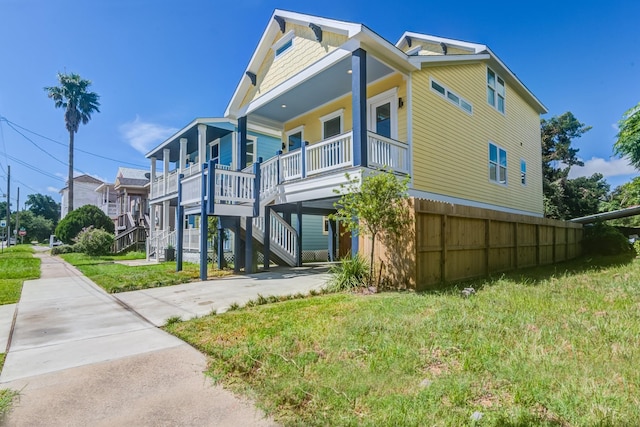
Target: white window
x=294, y=138
x=495, y=90
x=214, y=151
x=283, y=45
x=451, y=96
x=325, y=225
x=251, y=150
x=497, y=164
x=332, y=124
x=523, y=172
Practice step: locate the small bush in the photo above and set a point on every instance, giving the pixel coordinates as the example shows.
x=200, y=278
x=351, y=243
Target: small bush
x=603, y=239
x=94, y=242
x=351, y=273
x=63, y=249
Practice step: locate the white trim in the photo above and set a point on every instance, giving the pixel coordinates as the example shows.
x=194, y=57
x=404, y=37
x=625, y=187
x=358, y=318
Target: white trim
x=418, y=60
x=446, y=95
x=304, y=75
x=409, y=107
x=288, y=37
x=414, y=50
x=459, y=44
x=254, y=141
x=506, y=168
x=331, y=116
x=291, y=132
x=465, y=202
x=283, y=40
x=496, y=95
x=390, y=96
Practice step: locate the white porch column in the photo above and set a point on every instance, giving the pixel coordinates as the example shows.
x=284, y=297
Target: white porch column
x=153, y=175
x=202, y=144
x=165, y=170
x=165, y=215
x=183, y=154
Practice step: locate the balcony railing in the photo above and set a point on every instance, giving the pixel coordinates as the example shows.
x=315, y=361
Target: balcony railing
x=330, y=155
x=163, y=187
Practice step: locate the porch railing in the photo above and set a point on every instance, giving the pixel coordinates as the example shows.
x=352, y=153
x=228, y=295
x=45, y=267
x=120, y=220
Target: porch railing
x=191, y=239
x=330, y=154
x=162, y=187
x=237, y=187
x=233, y=187
x=281, y=234
x=387, y=153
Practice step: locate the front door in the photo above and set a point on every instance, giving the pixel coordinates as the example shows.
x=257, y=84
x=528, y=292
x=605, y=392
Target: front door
x=383, y=114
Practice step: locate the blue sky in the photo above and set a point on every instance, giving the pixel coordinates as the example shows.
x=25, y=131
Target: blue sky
x=158, y=65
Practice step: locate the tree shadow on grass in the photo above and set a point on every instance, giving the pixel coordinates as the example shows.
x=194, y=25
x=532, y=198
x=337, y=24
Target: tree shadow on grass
x=533, y=276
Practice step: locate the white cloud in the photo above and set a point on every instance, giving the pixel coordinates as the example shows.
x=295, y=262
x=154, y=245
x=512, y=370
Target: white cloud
x=608, y=168
x=53, y=190
x=143, y=136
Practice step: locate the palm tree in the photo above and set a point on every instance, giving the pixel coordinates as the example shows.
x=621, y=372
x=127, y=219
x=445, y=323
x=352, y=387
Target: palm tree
x=79, y=104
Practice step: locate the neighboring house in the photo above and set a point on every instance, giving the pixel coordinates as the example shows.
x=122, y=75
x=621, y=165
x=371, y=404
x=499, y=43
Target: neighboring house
x=107, y=200
x=84, y=193
x=342, y=99
x=132, y=222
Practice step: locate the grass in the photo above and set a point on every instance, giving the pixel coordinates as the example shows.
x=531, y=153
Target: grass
x=17, y=264
x=553, y=346
x=114, y=277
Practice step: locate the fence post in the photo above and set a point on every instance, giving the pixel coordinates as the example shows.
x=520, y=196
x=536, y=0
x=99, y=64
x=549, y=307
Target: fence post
x=487, y=244
x=443, y=258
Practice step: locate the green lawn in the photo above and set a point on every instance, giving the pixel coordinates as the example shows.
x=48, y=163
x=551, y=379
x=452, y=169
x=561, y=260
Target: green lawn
x=550, y=346
x=114, y=277
x=17, y=264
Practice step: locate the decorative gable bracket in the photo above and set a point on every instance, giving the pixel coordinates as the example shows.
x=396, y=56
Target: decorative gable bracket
x=281, y=22
x=252, y=77
x=317, y=31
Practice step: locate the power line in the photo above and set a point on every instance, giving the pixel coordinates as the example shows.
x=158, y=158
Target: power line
x=35, y=169
x=64, y=145
x=36, y=145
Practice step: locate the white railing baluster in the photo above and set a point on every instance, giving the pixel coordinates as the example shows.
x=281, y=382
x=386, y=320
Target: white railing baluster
x=388, y=153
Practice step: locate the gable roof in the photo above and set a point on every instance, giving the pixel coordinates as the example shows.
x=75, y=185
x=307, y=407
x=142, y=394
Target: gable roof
x=354, y=31
x=392, y=54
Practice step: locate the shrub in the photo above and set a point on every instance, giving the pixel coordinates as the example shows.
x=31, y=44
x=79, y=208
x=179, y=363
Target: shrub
x=94, y=242
x=83, y=217
x=603, y=239
x=351, y=273
x=63, y=249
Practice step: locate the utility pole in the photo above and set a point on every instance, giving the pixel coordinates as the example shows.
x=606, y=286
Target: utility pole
x=8, y=205
x=18, y=216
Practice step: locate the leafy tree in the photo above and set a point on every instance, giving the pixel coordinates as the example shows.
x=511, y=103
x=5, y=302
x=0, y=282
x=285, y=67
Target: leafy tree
x=372, y=207
x=624, y=196
x=83, y=217
x=37, y=227
x=566, y=198
x=628, y=143
x=73, y=95
x=45, y=206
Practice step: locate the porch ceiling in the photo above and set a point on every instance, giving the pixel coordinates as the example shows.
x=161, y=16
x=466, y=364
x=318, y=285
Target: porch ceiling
x=327, y=85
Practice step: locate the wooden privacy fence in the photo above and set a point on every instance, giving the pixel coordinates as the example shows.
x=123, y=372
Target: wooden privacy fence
x=447, y=242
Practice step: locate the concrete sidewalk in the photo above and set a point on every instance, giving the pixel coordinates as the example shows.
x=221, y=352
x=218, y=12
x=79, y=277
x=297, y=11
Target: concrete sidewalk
x=79, y=357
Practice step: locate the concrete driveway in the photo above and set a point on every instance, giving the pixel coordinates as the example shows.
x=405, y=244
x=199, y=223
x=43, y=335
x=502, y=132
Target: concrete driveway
x=82, y=357
x=201, y=298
